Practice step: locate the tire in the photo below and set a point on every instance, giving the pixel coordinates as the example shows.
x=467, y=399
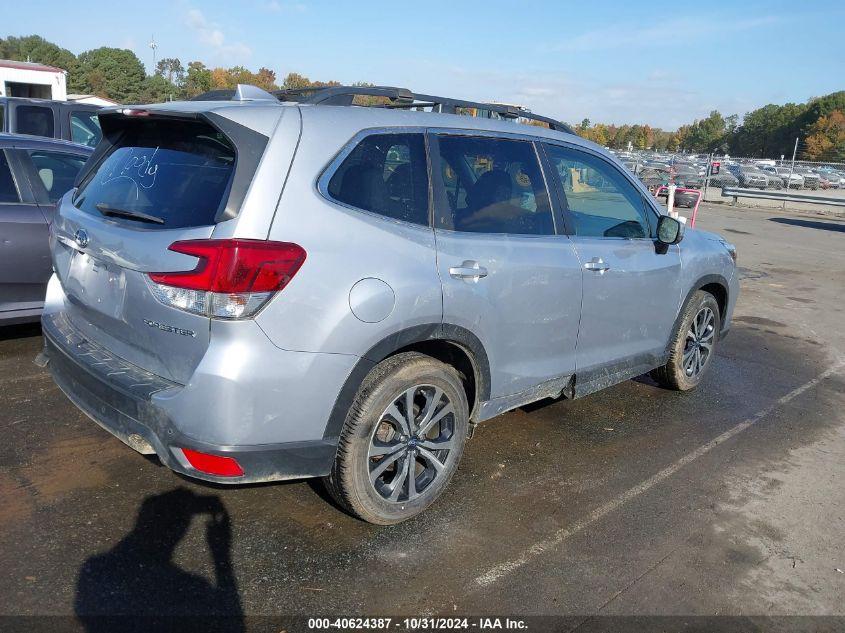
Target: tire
x=376, y=430
x=693, y=344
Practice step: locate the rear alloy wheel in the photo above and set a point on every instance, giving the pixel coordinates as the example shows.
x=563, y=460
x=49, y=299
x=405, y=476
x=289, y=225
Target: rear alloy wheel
x=411, y=443
x=402, y=440
x=694, y=344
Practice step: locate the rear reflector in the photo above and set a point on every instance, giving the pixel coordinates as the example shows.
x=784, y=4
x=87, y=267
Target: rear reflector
x=232, y=279
x=213, y=464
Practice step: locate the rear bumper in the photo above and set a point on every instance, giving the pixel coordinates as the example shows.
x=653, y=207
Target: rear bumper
x=119, y=397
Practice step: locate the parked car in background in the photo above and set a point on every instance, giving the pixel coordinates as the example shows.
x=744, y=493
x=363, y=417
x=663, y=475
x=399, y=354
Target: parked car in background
x=723, y=179
x=68, y=120
x=688, y=176
x=353, y=320
x=749, y=176
x=794, y=180
x=836, y=178
x=811, y=179
x=827, y=181
x=34, y=174
x=775, y=181
x=653, y=178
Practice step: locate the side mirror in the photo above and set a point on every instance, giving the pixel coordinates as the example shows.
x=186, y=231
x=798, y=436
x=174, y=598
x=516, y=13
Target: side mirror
x=669, y=230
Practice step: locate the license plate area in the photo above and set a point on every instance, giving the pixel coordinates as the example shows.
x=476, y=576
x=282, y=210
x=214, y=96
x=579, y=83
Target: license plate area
x=96, y=284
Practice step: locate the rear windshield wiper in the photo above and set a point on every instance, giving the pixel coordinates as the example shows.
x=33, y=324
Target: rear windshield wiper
x=131, y=215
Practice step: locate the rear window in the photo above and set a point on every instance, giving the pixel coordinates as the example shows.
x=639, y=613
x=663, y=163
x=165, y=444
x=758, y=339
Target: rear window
x=34, y=120
x=173, y=173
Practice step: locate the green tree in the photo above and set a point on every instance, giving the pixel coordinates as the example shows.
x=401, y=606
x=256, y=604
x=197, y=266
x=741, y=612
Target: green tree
x=197, y=79
x=36, y=49
x=768, y=131
x=707, y=134
x=171, y=69
x=156, y=89
x=114, y=73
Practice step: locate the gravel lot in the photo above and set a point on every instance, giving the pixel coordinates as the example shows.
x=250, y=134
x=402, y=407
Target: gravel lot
x=636, y=500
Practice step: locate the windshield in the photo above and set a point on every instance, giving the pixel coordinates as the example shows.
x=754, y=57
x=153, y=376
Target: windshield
x=177, y=171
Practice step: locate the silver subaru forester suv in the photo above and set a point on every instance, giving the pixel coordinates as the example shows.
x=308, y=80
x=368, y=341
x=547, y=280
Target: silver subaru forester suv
x=261, y=287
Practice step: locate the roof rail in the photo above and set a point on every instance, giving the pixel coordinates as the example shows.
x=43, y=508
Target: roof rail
x=396, y=98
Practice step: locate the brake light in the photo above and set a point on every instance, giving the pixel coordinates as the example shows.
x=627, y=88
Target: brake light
x=233, y=278
x=213, y=464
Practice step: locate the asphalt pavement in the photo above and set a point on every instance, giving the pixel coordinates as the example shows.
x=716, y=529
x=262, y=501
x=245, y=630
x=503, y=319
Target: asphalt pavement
x=728, y=500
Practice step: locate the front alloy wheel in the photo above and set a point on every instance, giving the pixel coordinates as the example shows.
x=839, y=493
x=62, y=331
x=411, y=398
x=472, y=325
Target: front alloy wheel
x=693, y=343
x=699, y=342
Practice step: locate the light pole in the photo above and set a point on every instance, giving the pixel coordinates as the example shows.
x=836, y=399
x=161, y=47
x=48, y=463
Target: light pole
x=791, y=169
x=153, y=46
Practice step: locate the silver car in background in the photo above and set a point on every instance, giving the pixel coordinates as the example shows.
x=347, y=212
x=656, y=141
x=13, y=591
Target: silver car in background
x=34, y=174
x=271, y=287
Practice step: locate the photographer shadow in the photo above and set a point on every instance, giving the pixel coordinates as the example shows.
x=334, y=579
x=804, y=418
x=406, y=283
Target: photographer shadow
x=137, y=585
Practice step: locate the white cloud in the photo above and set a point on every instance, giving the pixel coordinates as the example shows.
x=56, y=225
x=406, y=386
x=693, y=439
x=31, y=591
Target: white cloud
x=570, y=99
x=659, y=32
x=210, y=34
x=274, y=6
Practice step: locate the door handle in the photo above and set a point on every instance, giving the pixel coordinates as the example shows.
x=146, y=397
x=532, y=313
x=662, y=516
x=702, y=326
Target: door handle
x=596, y=264
x=469, y=269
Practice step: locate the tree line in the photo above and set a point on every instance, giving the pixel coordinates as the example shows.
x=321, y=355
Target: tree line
x=766, y=132
x=118, y=74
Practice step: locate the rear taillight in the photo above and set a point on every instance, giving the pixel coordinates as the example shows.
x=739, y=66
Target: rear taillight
x=233, y=278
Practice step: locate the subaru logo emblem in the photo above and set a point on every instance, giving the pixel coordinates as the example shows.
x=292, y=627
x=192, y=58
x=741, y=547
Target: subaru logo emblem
x=81, y=238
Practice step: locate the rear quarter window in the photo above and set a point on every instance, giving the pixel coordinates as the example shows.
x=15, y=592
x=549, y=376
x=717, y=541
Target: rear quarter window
x=173, y=170
x=386, y=174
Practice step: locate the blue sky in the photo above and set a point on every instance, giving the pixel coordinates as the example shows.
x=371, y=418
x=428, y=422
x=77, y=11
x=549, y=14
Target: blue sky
x=662, y=63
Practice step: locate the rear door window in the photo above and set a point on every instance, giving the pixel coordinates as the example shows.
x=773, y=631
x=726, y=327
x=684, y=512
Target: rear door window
x=385, y=174
x=492, y=185
x=85, y=128
x=174, y=172
x=8, y=190
x=57, y=171
x=34, y=120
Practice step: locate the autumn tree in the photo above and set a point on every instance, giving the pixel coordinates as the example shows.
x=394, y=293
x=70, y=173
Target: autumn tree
x=826, y=140
x=295, y=81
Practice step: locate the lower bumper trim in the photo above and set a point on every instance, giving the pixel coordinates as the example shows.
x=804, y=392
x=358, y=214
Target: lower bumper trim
x=137, y=422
